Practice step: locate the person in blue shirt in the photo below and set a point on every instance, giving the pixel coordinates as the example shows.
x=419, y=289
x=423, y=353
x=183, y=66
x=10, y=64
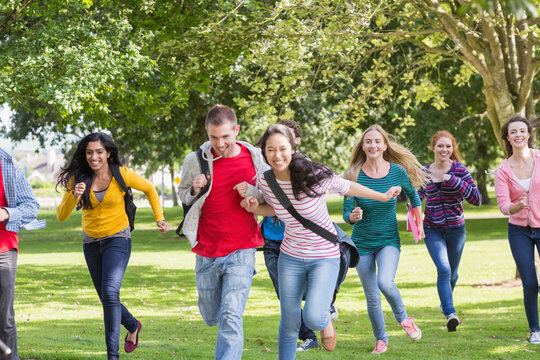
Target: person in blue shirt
x=18, y=209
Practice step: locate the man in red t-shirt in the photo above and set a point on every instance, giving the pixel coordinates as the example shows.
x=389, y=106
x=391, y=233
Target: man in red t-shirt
x=222, y=234
x=18, y=208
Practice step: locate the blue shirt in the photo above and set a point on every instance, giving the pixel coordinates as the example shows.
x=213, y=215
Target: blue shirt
x=22, y=203
x=272, y=228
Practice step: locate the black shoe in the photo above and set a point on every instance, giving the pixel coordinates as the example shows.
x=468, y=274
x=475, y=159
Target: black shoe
x=452, y=322
x=308, y=344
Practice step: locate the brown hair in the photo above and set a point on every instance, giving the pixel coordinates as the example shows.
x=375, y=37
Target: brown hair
x=443, y=133
x=291, y=124
x=504, y=133
x=395, y=153
x=218, y=114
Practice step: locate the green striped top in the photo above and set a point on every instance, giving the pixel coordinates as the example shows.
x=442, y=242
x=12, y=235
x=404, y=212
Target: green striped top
x=378, y=227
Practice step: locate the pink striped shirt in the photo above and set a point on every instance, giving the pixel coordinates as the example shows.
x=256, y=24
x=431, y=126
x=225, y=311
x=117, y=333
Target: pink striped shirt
x=299, y=241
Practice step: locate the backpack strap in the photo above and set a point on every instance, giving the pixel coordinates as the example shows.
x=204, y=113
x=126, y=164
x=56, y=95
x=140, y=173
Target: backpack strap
x=115, y=170
x=203, y=166
x=284, y=200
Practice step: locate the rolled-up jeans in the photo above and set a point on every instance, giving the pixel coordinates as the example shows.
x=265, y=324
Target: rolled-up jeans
x=107, y=261
x=223, y=284
x=295, y=274
x=445, y=246
x=8, y=331
x=522, y=240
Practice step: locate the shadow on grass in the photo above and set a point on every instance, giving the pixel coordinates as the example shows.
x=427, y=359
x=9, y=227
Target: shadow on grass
x=50, y=241
x=72, y=286
x=484, y=333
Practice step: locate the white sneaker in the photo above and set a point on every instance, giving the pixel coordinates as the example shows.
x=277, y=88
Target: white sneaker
x=333, y=312
x=535, y=337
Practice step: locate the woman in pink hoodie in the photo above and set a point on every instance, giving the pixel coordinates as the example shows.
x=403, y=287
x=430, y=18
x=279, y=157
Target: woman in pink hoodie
x=517, y=187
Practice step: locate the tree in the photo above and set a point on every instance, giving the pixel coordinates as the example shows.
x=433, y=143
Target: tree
x=146, y=72
x=345, y=49
x=62, y=59
x=74, y=65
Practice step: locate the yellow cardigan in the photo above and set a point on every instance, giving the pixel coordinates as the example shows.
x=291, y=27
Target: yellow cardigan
x=109, y=216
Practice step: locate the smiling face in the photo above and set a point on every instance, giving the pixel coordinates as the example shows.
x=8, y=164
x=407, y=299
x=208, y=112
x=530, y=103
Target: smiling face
x=278, y=152
x=97, y=155
x=223, y=138
x=373, y=145
x=518, y=135
x=443, y=149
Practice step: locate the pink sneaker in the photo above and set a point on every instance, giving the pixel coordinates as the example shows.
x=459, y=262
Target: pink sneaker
x=380, y=347
x=411, y=329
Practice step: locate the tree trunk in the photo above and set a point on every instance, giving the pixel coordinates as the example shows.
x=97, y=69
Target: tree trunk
x=481, y=184
x=173, y=188
x=497, y=115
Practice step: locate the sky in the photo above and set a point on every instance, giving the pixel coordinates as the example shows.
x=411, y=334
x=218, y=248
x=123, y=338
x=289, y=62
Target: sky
x=5, y=112
x=10, y=146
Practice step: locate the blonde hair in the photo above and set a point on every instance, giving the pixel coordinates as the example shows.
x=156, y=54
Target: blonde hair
x=394, y=153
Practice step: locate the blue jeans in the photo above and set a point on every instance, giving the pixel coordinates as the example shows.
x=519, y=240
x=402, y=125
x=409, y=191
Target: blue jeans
x=386, y=261
x=107, y=262
x=319, y=276
x=8, y=331
x=522, y=240
x=223, y=284
x=271, y=257
x=445, y=247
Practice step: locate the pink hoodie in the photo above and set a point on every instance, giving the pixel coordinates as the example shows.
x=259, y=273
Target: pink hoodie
x=508, y=191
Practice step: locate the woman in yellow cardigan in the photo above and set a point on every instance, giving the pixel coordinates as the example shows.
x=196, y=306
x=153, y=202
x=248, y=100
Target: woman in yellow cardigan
x=88, y=181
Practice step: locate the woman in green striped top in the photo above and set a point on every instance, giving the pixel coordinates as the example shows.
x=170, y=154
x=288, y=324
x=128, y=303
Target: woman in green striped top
x=379, y=163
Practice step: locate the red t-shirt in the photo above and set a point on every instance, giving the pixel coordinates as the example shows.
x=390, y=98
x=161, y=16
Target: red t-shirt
x=8, y=239
x=224, y=226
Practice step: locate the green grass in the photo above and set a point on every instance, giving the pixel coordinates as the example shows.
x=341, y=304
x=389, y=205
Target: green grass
x=59, y=315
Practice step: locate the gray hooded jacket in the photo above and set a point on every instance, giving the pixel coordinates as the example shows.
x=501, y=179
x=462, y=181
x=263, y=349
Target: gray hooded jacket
x=190, y=169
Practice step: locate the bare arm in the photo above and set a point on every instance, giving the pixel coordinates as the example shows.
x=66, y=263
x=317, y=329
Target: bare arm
x=365, y=192
x=252, y=205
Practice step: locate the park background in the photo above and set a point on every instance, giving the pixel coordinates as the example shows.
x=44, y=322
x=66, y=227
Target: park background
x=147, y=71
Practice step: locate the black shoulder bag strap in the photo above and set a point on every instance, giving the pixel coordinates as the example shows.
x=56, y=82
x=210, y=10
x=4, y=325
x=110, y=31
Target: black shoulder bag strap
x=284, y=200
x=129, y=205
x=115, y=170
x=203, y=165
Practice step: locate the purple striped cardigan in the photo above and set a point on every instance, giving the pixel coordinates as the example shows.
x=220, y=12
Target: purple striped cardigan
x=444, y=207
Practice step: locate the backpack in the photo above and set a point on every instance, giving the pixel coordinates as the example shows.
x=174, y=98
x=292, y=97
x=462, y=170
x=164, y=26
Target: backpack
x=203, y=165
x=130, y=206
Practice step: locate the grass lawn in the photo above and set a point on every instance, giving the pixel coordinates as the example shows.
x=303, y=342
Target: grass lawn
x=59, y=315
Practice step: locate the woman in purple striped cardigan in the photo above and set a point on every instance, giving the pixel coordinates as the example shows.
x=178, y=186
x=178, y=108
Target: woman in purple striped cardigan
x=444, y=224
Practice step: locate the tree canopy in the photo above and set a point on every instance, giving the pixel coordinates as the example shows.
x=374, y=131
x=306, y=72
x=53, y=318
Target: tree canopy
x=148, y=71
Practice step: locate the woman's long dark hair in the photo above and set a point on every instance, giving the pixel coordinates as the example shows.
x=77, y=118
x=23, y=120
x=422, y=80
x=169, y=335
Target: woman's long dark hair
x=79, y=169
x=504, y=133
x=305, y=174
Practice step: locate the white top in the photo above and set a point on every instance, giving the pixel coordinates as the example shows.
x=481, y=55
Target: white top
x=299, y=241
x=525, y=183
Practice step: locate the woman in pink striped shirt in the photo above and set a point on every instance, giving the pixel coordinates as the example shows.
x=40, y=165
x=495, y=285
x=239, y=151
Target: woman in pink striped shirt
x=307, y=261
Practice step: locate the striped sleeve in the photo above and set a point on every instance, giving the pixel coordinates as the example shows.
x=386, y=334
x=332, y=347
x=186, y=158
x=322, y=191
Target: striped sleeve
x=409, y=189
x=462, y=181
